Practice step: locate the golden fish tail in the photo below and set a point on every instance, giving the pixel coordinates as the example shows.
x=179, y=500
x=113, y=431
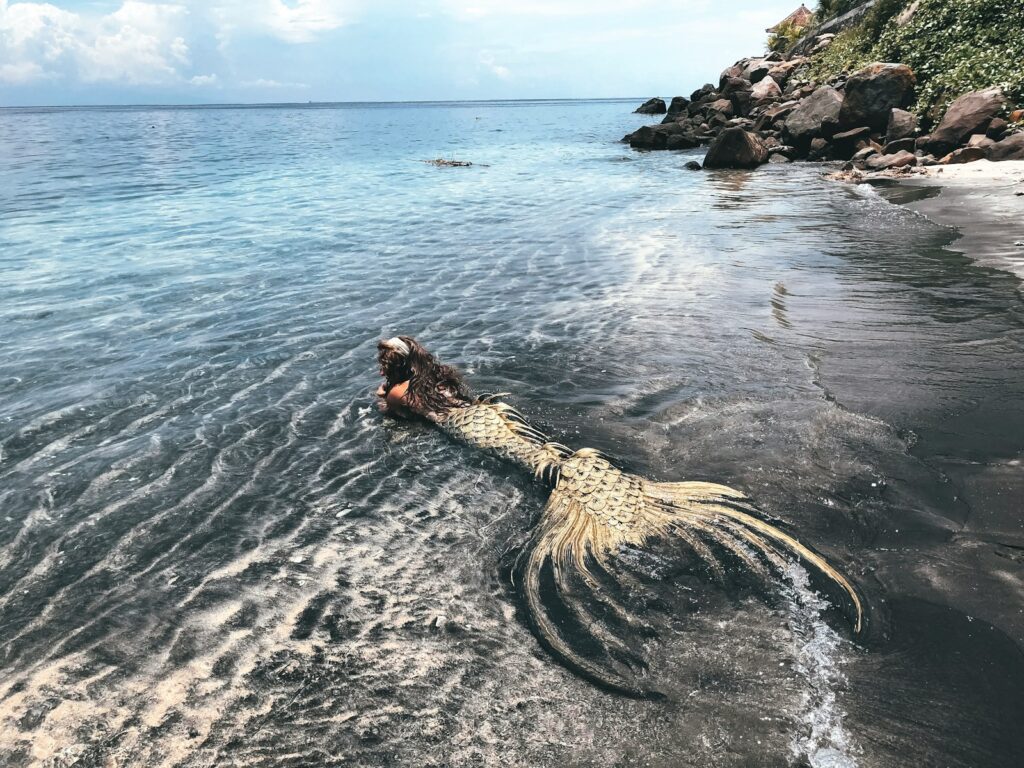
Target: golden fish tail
x=725, y=516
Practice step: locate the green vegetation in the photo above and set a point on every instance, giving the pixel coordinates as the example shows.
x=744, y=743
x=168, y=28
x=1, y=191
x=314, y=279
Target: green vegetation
x=953, y=46
x=827, y=9
x=785, y=36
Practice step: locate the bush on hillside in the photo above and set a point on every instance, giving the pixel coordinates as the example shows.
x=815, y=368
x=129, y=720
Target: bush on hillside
x=785, y=36
x=953, y=46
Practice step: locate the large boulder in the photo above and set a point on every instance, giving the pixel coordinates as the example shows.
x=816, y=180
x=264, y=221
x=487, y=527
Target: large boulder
x=653, y=106
x=780, y=72
x=665, y=136
x=737, y=90
x=1010, y=148
x=817, y=115
x=765, y=88
x=736, y=148
x=963, y=155
x=969, y=114
x=884, y=162
x=677, y=107
x=902, y=125
x=872, y=93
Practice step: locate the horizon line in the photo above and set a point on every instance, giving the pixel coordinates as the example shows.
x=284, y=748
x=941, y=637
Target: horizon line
x=215, y=105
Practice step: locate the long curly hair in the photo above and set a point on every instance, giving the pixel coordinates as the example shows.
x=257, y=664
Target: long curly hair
x=433, y=386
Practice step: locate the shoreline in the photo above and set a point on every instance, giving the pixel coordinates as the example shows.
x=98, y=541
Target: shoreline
x=983, y=201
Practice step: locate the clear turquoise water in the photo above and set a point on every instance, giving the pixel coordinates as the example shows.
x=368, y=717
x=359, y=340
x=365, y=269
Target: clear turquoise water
x=213, y=549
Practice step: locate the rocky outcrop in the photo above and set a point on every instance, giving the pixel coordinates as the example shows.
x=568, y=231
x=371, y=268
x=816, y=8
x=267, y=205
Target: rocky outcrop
x=768, y=110
x=814, y=117
x=873, y=92
x=1010, y=148
x=654, y=106
x=736, y=148
x=765, y=88
x=969, y=114
x=902, y=125
x=664, y=136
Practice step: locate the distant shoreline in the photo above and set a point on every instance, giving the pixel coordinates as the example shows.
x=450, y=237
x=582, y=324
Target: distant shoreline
x=315, y=104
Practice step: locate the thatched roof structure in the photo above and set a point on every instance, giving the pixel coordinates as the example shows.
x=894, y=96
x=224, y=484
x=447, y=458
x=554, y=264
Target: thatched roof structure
x=801, y=17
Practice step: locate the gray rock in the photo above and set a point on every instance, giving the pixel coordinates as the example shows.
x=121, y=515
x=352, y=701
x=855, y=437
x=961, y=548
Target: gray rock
x=766, y=88
x=963, y=155
x=969, y=114
x=883, y=162
x=817, y=115
x=693, y=165
x=980, y=140
x=874, y=91
x=652, y=107
x=735, y=148
x=900, y=145
x=1010, y=148
x=902, y=125
x=664, y=136
x=819, y=149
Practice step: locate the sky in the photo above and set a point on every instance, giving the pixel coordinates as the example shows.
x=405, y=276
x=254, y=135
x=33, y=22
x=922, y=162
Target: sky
x=249, y=51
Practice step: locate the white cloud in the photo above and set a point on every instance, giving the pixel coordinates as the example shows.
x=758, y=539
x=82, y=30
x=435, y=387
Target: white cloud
x=301, y=21
x=202, y=80
x=476, y=9
x=138, y=43
x=264, y=83
x=498, y=70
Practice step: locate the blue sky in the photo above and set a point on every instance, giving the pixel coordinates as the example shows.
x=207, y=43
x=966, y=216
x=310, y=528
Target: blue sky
x=193, y=51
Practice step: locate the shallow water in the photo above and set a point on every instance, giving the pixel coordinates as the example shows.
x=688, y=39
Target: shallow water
x=214, y=551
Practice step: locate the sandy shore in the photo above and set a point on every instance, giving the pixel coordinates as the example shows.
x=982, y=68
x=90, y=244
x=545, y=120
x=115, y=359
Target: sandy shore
x=984, y=201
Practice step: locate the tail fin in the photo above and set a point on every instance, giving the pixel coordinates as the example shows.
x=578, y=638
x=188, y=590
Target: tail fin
x=595, y=509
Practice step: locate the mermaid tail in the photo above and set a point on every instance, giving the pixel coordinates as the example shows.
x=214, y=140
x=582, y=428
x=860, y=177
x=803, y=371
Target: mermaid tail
x=595, y=510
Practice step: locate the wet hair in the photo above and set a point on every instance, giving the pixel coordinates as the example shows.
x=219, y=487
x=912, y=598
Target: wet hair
x=433, y=386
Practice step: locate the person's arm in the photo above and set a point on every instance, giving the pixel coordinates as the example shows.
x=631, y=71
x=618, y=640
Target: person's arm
x=393, y=401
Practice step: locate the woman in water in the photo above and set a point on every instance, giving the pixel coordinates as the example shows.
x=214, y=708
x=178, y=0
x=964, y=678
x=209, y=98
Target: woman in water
x=595, y=509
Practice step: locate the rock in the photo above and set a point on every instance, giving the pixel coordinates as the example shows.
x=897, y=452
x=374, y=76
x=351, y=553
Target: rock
x=778, y=157
x=1017, y=116
x=735, y=148
x=819, y=149
x=780, y=73
x=737, y=90
x=907, y=14
x=925, y=160
x=693, y=165
x=729, y=73
x=883, y=162
x=1010, y=148
x=997, y=129
x=751, y=66
x=980, y=140
x=873, y=92
x=722, y=106
x=678, y=105
x=900, y=145
x=902, y=125
x=665, y=136
x=705, y=90
x=679, y=141
x=969, y=114
x=817, y=115
x=860, y=157
x=963, y=155
x=759, y=73
x=846, y=144
x=766, y=88
x=652, y=107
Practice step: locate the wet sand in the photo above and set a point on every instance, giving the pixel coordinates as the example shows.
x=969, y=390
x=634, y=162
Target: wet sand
x=984, y=202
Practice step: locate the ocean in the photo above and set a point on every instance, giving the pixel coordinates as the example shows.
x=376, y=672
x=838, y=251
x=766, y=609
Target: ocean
x=215, y=551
